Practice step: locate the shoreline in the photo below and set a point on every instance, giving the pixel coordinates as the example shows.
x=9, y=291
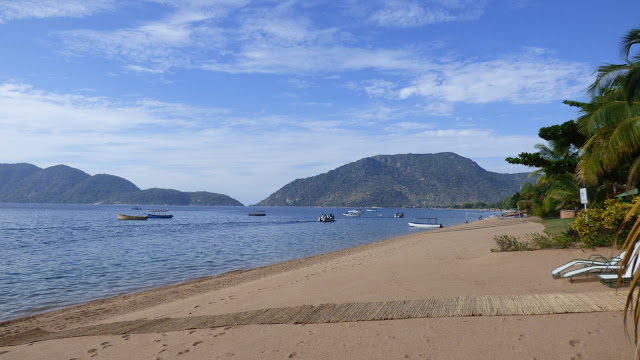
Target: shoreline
x=185, y=289
x=202, y=318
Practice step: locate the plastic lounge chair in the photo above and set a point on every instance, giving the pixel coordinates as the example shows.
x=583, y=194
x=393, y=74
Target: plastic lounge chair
x=593, y=260
x=612, y=279
x=612, y=266
x=589, y=269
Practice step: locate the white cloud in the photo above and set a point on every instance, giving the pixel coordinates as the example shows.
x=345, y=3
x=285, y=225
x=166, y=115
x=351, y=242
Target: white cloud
x=179, y=146
x=413, y=13
x=516, y=80
x=24, y=9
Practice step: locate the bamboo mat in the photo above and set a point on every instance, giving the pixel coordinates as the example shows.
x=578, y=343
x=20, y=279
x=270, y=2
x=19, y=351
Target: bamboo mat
x=490, y=305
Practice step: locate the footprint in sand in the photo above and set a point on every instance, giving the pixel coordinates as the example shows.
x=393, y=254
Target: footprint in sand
x=197, y=343
x=574, y=342
x=183, y=352
x=292, y=355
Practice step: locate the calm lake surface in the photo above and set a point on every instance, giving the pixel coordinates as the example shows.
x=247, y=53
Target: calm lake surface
x=54, y=255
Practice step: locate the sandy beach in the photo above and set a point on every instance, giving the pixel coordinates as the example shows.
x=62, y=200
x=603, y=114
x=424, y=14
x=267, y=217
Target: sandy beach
x=331, y=307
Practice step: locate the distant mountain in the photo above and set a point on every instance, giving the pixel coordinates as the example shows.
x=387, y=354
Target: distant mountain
x=408, y=180
x=22, y=183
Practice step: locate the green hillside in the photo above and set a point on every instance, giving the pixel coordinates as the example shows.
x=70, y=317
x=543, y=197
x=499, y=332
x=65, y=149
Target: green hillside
x=408, y=180
x=26, y=183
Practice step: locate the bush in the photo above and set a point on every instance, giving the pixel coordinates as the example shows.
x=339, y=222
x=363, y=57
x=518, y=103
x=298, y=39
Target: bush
x=510, y=243
x=545, y=241
x=598, y=227
x=534, y=241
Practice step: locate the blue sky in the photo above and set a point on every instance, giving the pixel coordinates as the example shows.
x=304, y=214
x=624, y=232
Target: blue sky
x=242, y=97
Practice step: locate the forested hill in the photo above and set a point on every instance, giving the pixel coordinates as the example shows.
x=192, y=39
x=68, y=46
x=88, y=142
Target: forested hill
x=408, y=180
x=26, y=183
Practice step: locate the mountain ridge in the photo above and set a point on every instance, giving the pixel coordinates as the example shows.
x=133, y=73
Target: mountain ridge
x=403, y=180
x=27, y=183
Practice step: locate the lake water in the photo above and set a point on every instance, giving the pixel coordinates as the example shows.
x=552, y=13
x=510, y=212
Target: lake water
x=54, y=255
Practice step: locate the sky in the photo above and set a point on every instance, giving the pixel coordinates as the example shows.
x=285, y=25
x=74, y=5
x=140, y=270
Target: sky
x=241, y=97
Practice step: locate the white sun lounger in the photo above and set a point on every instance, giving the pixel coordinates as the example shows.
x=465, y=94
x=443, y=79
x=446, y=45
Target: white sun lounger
x=612, y=279
x=588, y=269
x=594, y=263
x=593, y=260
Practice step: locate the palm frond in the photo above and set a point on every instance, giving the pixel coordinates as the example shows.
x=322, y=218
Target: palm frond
x=631, y=38
x=632, y=82
x=608, y=76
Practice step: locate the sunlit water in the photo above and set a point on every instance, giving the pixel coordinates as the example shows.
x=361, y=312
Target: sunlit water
x=58, y=255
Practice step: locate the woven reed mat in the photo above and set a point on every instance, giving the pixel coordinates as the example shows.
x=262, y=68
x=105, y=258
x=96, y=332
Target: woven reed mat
x=494, y=305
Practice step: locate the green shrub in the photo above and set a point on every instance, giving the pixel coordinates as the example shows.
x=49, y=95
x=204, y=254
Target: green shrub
x=546, y=241
x=598, y=227
x=542, y=241
x=510, y=243
x=534, y=241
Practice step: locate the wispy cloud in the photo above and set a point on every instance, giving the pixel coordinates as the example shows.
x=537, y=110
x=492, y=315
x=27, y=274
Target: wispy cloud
x=413, y=13
x=515, y=79
x=247, y=38
x=25, y=9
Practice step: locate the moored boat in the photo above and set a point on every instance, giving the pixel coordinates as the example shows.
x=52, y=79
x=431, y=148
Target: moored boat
x=426, y=223
x=257, y=213
x=355, y=212
x=348, y=213
x=509, y=214
x=398, y=215
x=131, y=217
x=326, y=218
x=159, y=214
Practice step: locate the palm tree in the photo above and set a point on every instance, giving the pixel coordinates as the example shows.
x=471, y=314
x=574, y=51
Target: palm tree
x=614, y=122
x=563, y=192
x=612, y=118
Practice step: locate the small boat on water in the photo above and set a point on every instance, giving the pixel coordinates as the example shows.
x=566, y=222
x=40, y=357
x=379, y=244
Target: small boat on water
x=257, y=213
x=398, y=215
x=159, y=214
x=136, y=208
x=348, y=213
x=510, y=214
x=355, y=212
x=426, y=223
x=131, y=217
x=326, y=218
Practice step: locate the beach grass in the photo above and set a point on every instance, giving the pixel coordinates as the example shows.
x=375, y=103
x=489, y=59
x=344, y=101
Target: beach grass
x=556, y=226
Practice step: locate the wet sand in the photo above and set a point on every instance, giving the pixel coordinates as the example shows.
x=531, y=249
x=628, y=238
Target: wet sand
x=430, y=265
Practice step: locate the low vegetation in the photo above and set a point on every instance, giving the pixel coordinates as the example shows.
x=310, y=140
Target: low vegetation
x=534, y=241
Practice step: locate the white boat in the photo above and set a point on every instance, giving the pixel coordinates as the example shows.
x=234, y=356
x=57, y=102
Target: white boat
x=420, y=225
x=426, y=223
x=355, y=212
